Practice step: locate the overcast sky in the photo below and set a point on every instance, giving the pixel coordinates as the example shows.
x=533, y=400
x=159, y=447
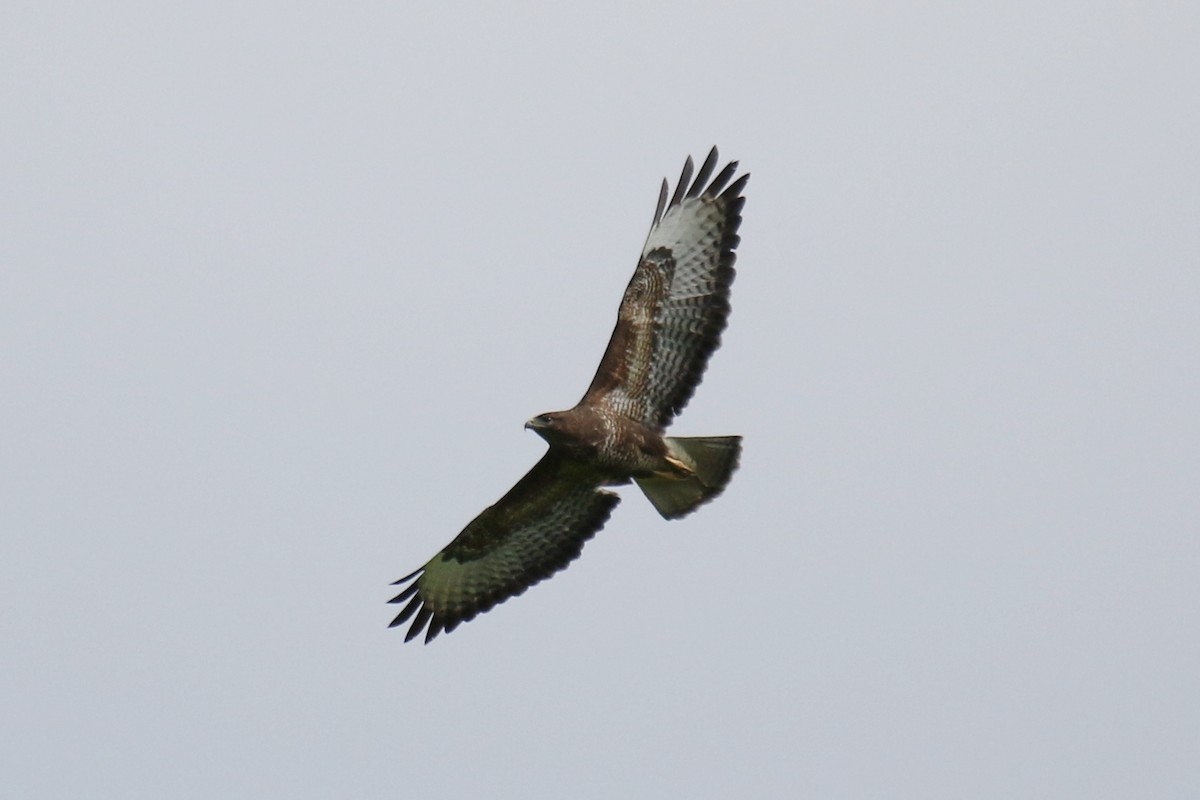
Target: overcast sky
x=280, y=283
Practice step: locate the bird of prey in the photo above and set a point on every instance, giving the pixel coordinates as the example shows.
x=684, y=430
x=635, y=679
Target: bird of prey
x=669, y=323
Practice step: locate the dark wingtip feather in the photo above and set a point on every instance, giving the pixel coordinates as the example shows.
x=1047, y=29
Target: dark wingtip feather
x=718, y=183
x=733, y=193
x=407, y=577
x=436, y=626
x=662, y=202
x=419, y=623
x=684, y=178
x=706, y=169
x=408, y=611
x=407, y=593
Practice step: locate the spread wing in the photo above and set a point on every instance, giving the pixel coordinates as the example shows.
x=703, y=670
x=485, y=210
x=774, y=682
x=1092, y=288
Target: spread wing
x=676, y=305
x=535, y=530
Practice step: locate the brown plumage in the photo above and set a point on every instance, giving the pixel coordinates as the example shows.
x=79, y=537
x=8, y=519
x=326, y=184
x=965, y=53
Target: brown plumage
x=669, y=323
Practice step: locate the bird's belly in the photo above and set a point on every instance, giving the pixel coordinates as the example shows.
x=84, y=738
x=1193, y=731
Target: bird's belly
x=631, y=462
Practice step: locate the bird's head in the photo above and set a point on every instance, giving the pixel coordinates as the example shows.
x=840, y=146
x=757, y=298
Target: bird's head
x=545, y=425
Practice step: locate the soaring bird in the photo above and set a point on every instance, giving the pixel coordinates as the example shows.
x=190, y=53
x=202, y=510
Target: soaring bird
x=669, y=323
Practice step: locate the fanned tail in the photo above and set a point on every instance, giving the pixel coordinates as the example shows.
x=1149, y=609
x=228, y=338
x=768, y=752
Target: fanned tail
x=709, y=461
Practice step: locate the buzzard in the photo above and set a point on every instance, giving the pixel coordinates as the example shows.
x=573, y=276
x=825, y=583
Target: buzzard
x=669, y=322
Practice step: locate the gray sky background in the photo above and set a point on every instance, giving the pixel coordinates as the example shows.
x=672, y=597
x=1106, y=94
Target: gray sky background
x=280, y=284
